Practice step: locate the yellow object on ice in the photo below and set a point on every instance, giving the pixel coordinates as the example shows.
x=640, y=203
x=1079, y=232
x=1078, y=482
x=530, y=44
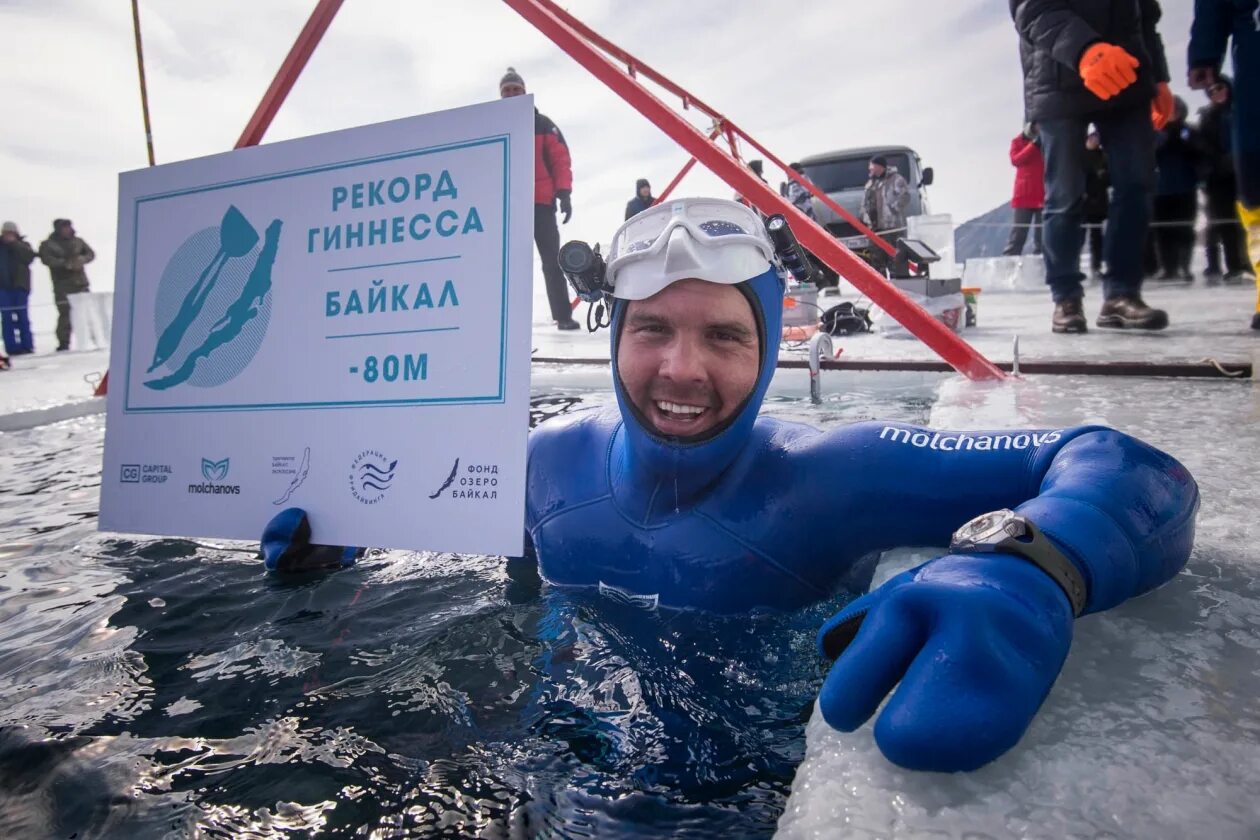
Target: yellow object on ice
x=1250, y=218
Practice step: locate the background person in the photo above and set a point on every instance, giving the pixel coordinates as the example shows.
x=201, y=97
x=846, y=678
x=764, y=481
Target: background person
x=885, y=200
x=65, y=254
x=642, y=198
x=1030, y=190
x=1220, y=187
x=1215, y=23
x=800, y=197
x=1096, y=201
x=1176, y=194
x=1100, y=62
x=16, y=256
x=553, y=183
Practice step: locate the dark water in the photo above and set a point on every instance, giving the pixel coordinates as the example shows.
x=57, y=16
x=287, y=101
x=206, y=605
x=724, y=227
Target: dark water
x=167, y=688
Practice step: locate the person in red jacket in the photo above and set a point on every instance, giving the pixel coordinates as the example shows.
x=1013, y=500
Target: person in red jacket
x=553, y=182
x=1030, y=190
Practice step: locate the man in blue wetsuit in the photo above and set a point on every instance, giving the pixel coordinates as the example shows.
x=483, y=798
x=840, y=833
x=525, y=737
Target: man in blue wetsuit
x=685, y=498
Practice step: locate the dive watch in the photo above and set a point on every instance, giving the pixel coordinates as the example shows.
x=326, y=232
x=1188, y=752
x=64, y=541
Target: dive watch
x=1007, y=532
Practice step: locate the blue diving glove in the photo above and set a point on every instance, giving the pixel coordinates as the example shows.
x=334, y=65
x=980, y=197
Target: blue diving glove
x=286, y=546
x=975, y=641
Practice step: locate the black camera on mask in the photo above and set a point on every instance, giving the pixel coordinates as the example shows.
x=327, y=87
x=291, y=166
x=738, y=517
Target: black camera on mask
x=584, y=268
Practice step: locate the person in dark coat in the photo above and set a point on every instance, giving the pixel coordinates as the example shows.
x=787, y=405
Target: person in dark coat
x=1096, y=199
x=1176, y=194
x=1100, y=62
x=1029, y=195
x=553, y=183
x=1215, y=23
x=16, y=256
x=65, y=254
x=642, y=198
x=1224, y=233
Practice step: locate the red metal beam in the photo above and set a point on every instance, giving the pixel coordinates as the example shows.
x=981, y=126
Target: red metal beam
x=682, y=173
x=289, y=71
x=960, y=355
x=635, y=66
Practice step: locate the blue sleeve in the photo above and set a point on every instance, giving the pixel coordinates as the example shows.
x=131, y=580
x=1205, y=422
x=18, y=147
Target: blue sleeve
x=1121, y=510
x=1209, y=33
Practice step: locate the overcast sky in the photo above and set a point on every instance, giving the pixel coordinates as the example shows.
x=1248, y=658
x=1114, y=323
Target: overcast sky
x=802, y=77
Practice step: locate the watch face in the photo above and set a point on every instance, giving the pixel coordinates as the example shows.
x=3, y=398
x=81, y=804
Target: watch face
x=988, y=528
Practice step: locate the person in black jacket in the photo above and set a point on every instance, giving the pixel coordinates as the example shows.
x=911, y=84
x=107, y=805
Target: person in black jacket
x=1098, y=61
x=1096, y=200
x=1224, y=232
x=642, y=198
x=16, y=256
x=1177, y=162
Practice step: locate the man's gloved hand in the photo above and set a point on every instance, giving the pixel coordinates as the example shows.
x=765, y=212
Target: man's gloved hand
x=1161, y=106
x=286, y=546
x=1107, y=69
x=566, y=204
x=976, y=641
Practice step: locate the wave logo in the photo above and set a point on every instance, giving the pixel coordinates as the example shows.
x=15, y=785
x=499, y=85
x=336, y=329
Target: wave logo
x=215, y=470
x=371, y=476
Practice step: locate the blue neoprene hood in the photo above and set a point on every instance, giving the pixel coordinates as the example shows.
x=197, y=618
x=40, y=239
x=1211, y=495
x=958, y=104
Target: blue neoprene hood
x=643, y=458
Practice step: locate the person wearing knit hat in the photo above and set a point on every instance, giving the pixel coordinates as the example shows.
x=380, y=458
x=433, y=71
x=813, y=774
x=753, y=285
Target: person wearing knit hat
x=16, y=255
x=553, y=183
x=511, y=84
x=642, y=198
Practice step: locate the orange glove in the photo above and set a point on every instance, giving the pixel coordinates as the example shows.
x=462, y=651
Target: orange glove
x=1107, y=69
x=1161, y=106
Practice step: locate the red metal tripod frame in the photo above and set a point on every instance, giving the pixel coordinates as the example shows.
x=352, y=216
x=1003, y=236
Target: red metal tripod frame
x=289, y=71
x=682, y=173
x=959, y=354
x=635, y=67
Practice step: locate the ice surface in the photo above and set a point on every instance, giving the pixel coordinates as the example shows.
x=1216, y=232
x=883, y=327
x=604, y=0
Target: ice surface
x=1152, y=729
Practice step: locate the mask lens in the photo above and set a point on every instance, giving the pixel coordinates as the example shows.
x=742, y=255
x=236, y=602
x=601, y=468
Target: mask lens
x=719, y=227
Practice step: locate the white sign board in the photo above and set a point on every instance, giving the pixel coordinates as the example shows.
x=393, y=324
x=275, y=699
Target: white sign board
x=338, y=323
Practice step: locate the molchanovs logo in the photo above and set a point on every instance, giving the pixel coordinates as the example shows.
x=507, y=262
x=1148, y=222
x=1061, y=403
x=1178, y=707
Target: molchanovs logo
x=212, y=472
x=213, y=304
x=371, y=476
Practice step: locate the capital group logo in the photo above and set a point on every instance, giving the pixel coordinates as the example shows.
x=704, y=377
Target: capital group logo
x=214, y=472
x=371, y=476
x=144, y=473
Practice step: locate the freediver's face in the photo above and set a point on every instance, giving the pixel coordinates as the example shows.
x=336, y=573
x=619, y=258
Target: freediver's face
x=688, y=356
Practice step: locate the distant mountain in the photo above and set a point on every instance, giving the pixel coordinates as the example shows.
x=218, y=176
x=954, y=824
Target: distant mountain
x=985, y=235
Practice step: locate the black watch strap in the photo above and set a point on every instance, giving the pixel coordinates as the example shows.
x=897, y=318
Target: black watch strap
x=1038, y=550
x=1032, y=545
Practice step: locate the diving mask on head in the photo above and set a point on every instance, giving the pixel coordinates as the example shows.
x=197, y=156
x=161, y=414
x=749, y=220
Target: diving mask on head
x=690, y=238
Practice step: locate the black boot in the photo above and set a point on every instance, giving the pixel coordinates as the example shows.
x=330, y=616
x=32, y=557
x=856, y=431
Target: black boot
x=1068, y=317
x=1131, y=313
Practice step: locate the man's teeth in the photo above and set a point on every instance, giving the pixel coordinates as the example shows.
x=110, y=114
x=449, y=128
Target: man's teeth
x=678, y=408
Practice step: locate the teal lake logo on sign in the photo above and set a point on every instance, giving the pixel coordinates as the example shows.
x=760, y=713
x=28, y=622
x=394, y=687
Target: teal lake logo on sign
x=214, y=470
x=213, y=304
